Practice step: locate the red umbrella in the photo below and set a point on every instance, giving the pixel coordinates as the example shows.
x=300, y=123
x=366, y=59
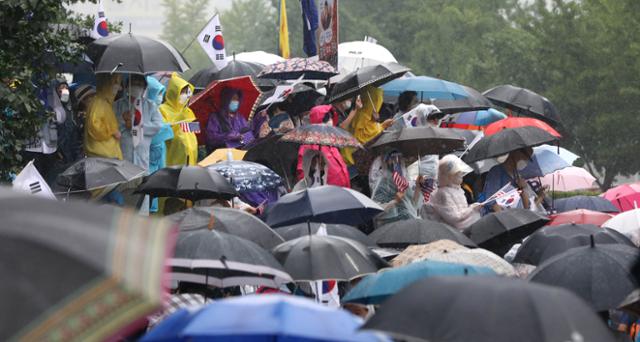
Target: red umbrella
x=579, y=216
x=208, y=101
x=514, y=122
x=624, y=197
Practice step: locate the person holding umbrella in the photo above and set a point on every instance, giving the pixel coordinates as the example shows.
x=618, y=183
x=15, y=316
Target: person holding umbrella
x=183, y=148
x=102, y=134
x=227, y=127
x=139, y=121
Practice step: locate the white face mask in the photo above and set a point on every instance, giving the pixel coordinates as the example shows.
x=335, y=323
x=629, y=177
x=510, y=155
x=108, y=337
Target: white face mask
x=503, y=158
x=521, y=165
x=347, y=104
x=136, y=91
x=115, y=89
x=64, y=95
x=184, y=98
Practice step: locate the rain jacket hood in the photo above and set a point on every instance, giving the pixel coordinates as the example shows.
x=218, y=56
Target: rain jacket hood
x=155, y=90
x=183, y=148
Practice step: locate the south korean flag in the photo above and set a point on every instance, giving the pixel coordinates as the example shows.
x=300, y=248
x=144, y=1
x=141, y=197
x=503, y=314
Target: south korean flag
x=30, y=181
x=211, y=40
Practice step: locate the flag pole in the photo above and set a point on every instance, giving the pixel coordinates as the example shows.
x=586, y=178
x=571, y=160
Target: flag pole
x=196, y=37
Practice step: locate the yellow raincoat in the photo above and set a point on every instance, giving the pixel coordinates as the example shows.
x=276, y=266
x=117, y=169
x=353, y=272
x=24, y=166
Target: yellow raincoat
x=363, y=126
x=183, y=148
x=101, y=122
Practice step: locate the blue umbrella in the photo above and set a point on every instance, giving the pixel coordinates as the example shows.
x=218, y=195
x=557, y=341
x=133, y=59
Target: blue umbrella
x=261, y=318
x=595, y=203
x=479, y=117
x=254, y=182
x=375, y=288
x=426, y=87
x=542, y=163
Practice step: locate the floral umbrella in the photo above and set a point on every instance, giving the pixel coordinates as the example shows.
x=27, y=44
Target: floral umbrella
x=255, y=183
x=209, y=100
x=295, y=67
x=321, y=135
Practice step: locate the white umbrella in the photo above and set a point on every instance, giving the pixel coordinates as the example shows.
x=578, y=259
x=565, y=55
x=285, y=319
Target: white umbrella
x=628, y=224
x=565, y=154
x=569, y=179
x=259, y=57
x=358, y=54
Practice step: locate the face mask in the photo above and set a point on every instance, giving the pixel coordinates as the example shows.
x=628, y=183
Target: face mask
x=115, y=89
x=233, y=106
x=64, y=95
x=136, y=91
x=503, y=158
x=183, y=98
x=347, y=104
x=521, y=165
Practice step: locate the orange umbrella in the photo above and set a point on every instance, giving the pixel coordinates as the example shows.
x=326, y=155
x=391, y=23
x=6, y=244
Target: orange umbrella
x=514, y=122
x=209, y=100
x=580, y=216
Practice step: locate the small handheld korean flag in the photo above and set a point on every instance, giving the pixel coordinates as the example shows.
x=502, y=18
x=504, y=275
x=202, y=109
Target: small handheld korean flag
x=210, y=38
x=136, y=122
x=100, y=27
x=30, y=181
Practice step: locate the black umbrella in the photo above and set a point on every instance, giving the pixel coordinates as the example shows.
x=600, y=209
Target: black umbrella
x=600, y=274
x=524, y=101
x=62, y=260
x=204, y=77
x=95, y=173
x=301, y=99
x=281, y=157
x=595, y=203
x=190, y=182
x=133, y=54
x=553, y=240
x=326, y=204
x=499, y=231
x=418, y=141
x=487, y=309
x=474, y=101
x=403, y=233
x=227, y=220
x=215, y=258
x=315, y=257
x=507, y=140
x=375, y=75
x=341, y=230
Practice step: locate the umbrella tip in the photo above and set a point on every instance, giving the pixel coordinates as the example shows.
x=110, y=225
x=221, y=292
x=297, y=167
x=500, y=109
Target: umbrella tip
x=593, y=242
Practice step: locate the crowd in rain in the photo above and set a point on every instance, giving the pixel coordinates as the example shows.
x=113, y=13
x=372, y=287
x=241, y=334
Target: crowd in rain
x=294, y=199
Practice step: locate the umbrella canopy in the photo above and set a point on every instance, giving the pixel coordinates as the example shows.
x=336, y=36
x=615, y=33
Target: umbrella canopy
x=133, y=54
x=403, y=233
x=256, y=184
x=342, y=230
x=478, y=117
x=227, y=220
x=222, y=154
x=499, y=231
x=428, y=88
x=579, y=216
x=415, y=253
x=278, y=156
x=569, y=179
x=551, y=241
x=327, y=204
x=190, y=182
x=627, y=223
x=234, y=69
x=600, y=274
x=295, y=68
x=316, y=257
x=209, y=100
x=418, y=141
x=376, y=288
x=624, y=197
x=58, y=267
x=95, y=173
x=524, y=101
x=359, y=54
x=473, y=101
x=315, y=134
x=514, y=122
x=297, y=98
x=375, y=75
x=542, y=163
x=507, y=140
x=261, y=318
x=258, y=57
x=475, y=257
x=595, y=203
x=565, y=154
x=219, y=259
x=456, y=309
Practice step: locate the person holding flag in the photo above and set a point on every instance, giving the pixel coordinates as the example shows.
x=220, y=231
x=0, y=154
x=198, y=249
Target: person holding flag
x=139, y=121
x=183, y=148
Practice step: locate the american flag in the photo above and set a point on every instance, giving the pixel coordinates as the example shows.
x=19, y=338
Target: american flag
x=401, y=183
x=427, y=186
x=190, y=127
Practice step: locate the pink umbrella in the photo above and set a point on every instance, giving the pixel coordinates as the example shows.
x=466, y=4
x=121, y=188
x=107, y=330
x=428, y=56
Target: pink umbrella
x=580, y=216
x=624, y=197
x=569, y=179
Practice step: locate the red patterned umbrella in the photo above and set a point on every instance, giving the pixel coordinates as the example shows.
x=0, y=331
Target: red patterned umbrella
x=295, y=67
x=514, y=122
x=321, y=135
x=208, y=101
x=580, y=216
